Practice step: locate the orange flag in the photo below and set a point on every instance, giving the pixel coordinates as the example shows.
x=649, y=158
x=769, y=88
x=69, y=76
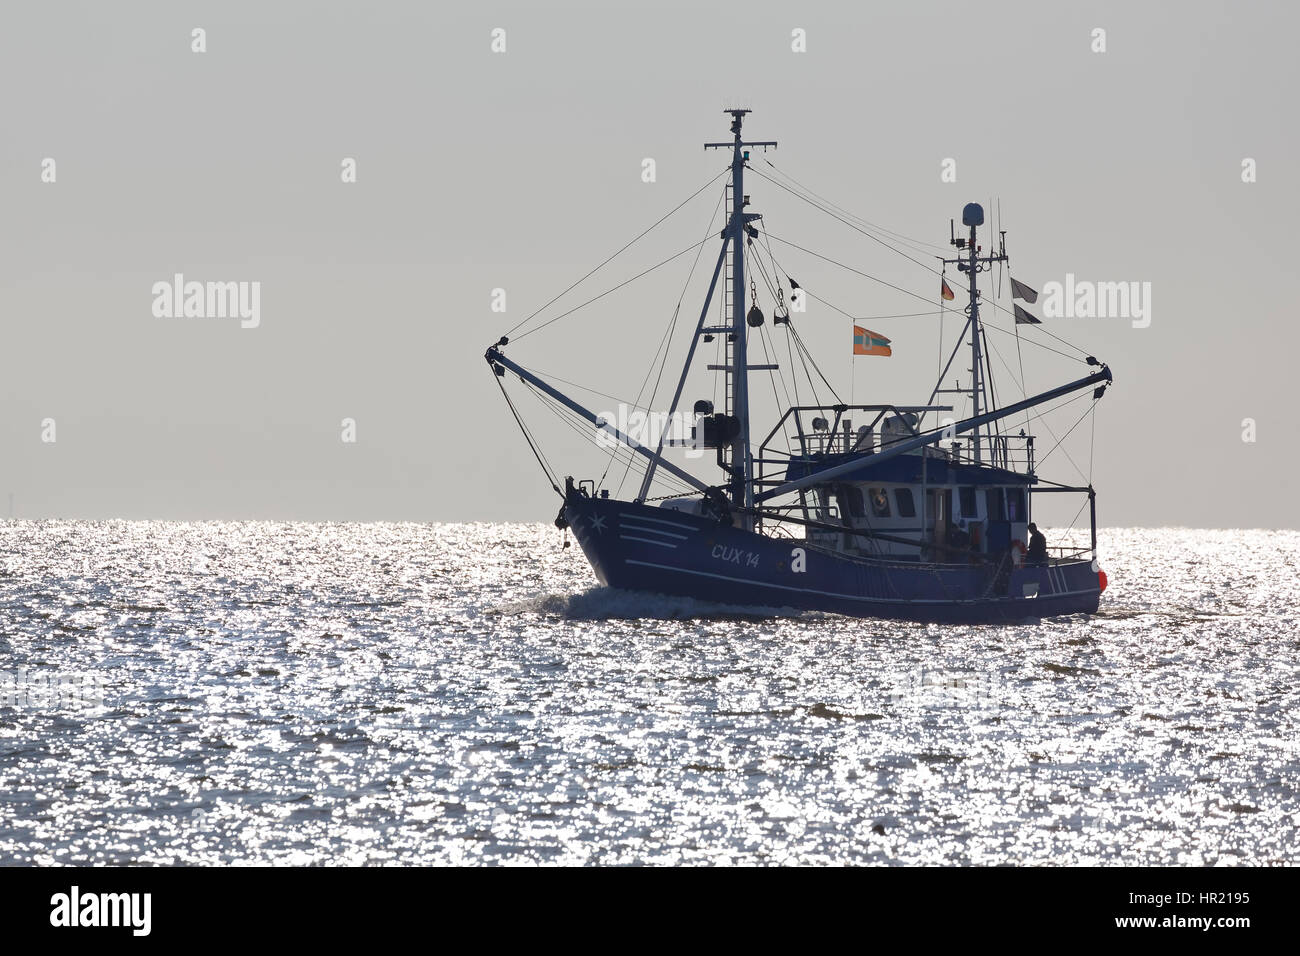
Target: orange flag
x=866, y=342
x=944, y=290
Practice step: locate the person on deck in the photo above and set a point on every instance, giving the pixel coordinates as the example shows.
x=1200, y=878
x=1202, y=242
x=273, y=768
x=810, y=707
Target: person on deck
x=1037, y=546
x=958, y=541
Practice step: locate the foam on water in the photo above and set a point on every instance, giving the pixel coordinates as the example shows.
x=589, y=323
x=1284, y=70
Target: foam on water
x=603, y=603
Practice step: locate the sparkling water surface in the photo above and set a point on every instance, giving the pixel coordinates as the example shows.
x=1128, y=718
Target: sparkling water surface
x=227, y=693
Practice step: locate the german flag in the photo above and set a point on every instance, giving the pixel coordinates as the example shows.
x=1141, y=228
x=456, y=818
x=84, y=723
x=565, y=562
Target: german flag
x=944, y=290
x=866, y=342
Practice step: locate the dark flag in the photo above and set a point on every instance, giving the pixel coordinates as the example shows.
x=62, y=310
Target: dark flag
x=944, y=291
x=1021, y=291
x=1024, y=318
x=793, y=284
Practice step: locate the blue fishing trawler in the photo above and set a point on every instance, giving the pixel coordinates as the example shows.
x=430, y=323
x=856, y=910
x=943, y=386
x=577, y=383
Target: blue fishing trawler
x=905, y=515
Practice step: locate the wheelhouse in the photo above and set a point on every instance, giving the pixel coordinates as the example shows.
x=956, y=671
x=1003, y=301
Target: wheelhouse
x=933, y=505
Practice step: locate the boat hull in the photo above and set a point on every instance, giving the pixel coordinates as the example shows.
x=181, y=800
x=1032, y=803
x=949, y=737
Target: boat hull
x=644, y=548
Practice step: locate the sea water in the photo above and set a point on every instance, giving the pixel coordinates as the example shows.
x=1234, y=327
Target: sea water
x=221, y=693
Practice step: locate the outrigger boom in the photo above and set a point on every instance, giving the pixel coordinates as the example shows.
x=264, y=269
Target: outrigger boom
x=1096, y=380
x=495, y=358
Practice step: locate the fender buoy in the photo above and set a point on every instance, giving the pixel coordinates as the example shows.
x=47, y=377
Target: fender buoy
x=1101, y=580
x=1018, y=553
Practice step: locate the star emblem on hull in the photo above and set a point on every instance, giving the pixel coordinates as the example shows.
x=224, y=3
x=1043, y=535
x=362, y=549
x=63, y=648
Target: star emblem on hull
x=598, y=523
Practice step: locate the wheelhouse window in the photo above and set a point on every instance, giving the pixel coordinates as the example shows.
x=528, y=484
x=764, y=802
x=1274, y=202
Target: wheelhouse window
x=1015, y=504
x=827, y=504
x=879, y=502
x=993, y=504
x=906, y=506
x=967, y=502
x=850, y=501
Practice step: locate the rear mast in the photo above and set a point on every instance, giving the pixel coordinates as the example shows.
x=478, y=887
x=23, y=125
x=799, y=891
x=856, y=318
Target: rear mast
x=973, y=263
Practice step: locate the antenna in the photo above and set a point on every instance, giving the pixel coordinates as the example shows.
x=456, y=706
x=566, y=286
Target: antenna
x=1002, y=245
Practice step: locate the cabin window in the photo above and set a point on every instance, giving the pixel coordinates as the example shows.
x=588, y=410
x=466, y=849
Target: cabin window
x=827, y=504
x=1015, y=504
x=850, y=500
x=879, y=502
x=967, y=502
x=940, y=507
x=906, y=506
x=993, y=504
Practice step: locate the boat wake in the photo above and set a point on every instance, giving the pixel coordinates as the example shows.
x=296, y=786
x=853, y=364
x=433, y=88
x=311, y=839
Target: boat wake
x=605, y=603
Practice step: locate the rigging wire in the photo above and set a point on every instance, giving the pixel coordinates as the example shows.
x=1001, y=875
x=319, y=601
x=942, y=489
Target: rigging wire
x=1020, y=359
x=923, y=265
x=929, y=268
x=1067, y=435
x=773, y=373
x=621, y=250
x=895, y=315
x=675, y=255
x=1041, y=416
x=1024, y=393
x=789, y=337
x=879, y=228
x=805, y=356
x=984, y=324
x=998, y=328
x=784, y=386
x=1090, y=457
x=664, y=345
x=1092, y=447
x=680, y=299
x=865, y=275
x=821, y=208
x=794, y=375
x=584, y=429
x=778, y=297
x=803, y=349
x=585, y=388
x=541, y=459
x=989, y=381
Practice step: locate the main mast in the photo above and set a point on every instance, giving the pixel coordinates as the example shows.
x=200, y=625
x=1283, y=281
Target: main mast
x=738, y=229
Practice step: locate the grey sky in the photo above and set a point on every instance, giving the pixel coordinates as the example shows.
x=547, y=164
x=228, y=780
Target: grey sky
x=522, y=170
